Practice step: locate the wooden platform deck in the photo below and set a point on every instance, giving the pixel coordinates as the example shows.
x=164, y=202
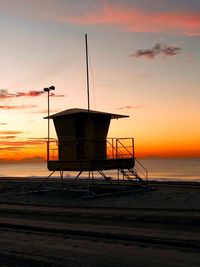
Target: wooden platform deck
x=91, y=165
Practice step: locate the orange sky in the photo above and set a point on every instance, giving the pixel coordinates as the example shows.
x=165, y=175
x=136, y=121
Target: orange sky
x=144, y=62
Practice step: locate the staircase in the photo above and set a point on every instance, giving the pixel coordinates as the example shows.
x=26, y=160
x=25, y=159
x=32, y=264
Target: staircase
x=121, y=148
x=136, y=175
x=131, y=175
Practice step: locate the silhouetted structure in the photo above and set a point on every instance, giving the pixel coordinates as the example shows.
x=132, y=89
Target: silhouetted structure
x=83, y=146
x=82, y=142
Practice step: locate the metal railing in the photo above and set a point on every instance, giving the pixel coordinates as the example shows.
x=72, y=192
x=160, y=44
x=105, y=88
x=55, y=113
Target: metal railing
x=120, y=148
x=115, y=148
x=53, y=150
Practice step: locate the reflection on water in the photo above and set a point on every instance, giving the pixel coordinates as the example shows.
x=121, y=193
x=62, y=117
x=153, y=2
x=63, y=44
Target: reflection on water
x=176, y=169
x=160, y=169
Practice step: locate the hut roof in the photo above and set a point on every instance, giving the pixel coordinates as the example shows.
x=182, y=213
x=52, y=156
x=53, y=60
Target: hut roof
x=80, y=110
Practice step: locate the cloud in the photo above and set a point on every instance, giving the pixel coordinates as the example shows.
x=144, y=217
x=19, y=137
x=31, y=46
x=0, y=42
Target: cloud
x=8, y=137
x=139, y=20
x=44, y=139
x=22, y=143
x=121, y=16
x=35, y=159
x=10, y=148
x=43, y=111
x=11, y=132
x=4, y=94
x=7, y=107
x=157, y=50
x=10, y=142
x=3, y=123
x=54, y=95
x=132, y=107
x=30, y=93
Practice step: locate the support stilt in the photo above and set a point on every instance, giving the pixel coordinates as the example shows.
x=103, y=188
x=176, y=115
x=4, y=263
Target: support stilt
x=88, y=187
x=44, y=181
x=61, y=177
x=105, y=177
x=74, y=180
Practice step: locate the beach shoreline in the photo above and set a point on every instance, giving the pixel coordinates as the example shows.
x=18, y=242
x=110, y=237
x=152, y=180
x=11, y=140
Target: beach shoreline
x=57, y=228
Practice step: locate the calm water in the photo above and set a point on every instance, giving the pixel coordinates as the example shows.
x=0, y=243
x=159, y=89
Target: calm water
x=160, y=169
x=173, y=169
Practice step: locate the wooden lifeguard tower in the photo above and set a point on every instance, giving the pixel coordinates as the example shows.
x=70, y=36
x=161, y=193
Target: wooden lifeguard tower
x=83, y=143
x=83, y=146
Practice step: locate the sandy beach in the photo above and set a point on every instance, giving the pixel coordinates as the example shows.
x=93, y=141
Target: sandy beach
x=160, y=227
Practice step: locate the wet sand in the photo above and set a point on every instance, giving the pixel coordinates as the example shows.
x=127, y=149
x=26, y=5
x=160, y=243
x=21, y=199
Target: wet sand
x=160, y=227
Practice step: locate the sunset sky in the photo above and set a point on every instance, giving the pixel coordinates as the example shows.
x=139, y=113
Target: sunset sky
x=144, y=62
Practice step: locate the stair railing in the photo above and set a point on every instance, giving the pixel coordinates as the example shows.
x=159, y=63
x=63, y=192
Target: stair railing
x=140, y=170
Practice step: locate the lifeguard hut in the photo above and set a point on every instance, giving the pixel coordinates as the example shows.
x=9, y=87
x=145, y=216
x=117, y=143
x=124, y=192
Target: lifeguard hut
x=83, y=143
x=82, y=146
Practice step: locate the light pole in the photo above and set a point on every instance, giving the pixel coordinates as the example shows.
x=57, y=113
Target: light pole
x=48, y=90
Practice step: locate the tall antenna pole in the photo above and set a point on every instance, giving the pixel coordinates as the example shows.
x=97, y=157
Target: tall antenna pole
x=87, y=69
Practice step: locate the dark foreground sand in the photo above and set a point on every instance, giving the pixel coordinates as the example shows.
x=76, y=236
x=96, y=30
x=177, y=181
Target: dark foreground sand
x=148, y=228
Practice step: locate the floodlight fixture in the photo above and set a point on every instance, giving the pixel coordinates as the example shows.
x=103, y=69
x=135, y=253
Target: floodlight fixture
x=48, y=89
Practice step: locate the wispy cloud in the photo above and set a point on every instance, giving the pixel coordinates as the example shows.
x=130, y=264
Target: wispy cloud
x=22, y=143
x=158, y=49
x=43, y=139
x=138, y=20
x=54, y=95
x=8, y=137
x=3, y=123
x=35, y=159
x=43, y=111
x=4, y=94
x=9, y=141
x=11, y=132
x=7, y=107
x=132, y=107
x=10, y=148
x=122, y=16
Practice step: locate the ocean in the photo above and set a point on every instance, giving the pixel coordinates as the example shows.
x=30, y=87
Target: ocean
x=158, y=169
